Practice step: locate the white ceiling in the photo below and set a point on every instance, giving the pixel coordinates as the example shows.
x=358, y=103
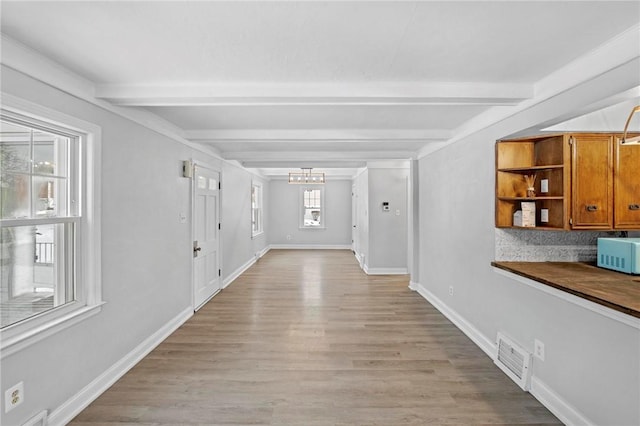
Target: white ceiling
x=327, y=84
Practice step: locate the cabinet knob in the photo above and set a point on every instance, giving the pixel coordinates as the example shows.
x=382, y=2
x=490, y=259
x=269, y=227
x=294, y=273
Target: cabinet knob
x=592, y=208
x=634, y=206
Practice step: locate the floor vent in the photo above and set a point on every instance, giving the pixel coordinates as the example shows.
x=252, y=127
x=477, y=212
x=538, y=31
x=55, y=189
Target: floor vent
x=514, y=361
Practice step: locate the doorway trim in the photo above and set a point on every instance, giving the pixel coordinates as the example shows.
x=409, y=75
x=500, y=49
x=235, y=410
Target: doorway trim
x=203, y=165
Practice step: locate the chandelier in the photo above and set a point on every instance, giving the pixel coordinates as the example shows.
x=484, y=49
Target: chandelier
x=306, y=177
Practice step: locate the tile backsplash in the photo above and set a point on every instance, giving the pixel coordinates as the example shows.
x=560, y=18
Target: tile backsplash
x=540, y=246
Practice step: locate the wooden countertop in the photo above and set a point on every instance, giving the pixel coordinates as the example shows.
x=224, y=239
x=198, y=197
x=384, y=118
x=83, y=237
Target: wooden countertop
x=609, y=288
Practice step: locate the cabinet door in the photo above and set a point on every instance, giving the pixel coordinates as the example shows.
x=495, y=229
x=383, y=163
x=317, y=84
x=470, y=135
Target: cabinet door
x=627, y=186
x=591, y=181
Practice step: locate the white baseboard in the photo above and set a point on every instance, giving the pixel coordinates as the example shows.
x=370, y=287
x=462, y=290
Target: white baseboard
x=385, y=271
x=249, y=263
x=235, y=274
x=359, y=258
x=73, y=406
x=552, y=401
x=263, y=251
x=558, y=406
x=487, y=345
x=310, y=246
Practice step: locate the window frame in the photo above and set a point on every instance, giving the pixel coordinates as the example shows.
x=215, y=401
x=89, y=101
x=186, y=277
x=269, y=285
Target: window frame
x=86, y=219
x=301, y=207
x=260, y=208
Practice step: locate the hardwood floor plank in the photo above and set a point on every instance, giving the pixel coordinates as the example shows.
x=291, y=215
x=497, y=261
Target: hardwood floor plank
x=306, y=338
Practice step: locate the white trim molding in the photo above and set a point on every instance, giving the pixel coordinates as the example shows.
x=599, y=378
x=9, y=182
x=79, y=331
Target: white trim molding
x=88, y=173
x=552, y=401
x=615, y=61
x=558, y=406
x=239, y=271
x=32, y=63
x=385, y=271
x=73, y=406
x=226, y=282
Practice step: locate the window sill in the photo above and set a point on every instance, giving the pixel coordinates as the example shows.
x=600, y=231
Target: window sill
x=302, y=228
x=11, y=343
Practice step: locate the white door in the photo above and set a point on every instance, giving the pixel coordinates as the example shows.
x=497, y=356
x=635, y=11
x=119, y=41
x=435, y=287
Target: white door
x=206, y=231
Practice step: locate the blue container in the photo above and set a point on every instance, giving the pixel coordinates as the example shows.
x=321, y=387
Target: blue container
x=619, y=254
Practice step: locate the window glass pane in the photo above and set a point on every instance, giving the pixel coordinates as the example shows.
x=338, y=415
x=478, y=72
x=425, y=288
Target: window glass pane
x=25, y=155
x=256, y=209
x=15, y=148
x=312, y=207
x=49, y=154
x=202, y=182
x=47, y=196
x=33, y=275
x=14, y=195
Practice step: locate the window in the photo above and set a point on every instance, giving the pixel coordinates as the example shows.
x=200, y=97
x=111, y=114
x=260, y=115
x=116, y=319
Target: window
x=312, y=208
x=48, y=245
x=256, y=209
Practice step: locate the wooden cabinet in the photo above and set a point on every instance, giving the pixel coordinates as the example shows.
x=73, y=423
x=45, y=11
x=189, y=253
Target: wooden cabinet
x=546, y=157
x=583, y=181
x=592, y=181
x=626, y=185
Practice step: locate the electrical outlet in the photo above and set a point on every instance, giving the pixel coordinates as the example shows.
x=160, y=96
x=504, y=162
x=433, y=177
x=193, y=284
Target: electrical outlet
x=538, y=349
x=450, y=290
x=288, y=237
x=13, y=397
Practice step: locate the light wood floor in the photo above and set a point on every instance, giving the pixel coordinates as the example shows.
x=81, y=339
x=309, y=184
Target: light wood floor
x=306, y=338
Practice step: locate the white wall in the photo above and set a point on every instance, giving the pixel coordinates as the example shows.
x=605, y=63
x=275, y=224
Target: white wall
x=592, y=366
x=388, y=230
x=285, y=207
x=382, y=243
x=239, y=247
x=146, y=254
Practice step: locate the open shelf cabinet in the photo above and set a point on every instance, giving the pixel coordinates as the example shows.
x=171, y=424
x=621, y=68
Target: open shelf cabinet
x=547, y=157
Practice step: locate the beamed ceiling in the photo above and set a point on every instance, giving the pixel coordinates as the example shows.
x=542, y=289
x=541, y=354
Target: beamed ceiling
x=318, y=84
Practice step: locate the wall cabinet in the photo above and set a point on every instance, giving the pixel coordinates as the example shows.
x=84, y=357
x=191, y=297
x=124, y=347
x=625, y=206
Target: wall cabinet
x=582, y=181
x=626, y=185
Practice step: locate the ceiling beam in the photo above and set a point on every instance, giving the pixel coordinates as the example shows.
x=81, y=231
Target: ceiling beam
x=311, y=156
x=316, y=93
x=316, y=135
x=316, y=164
